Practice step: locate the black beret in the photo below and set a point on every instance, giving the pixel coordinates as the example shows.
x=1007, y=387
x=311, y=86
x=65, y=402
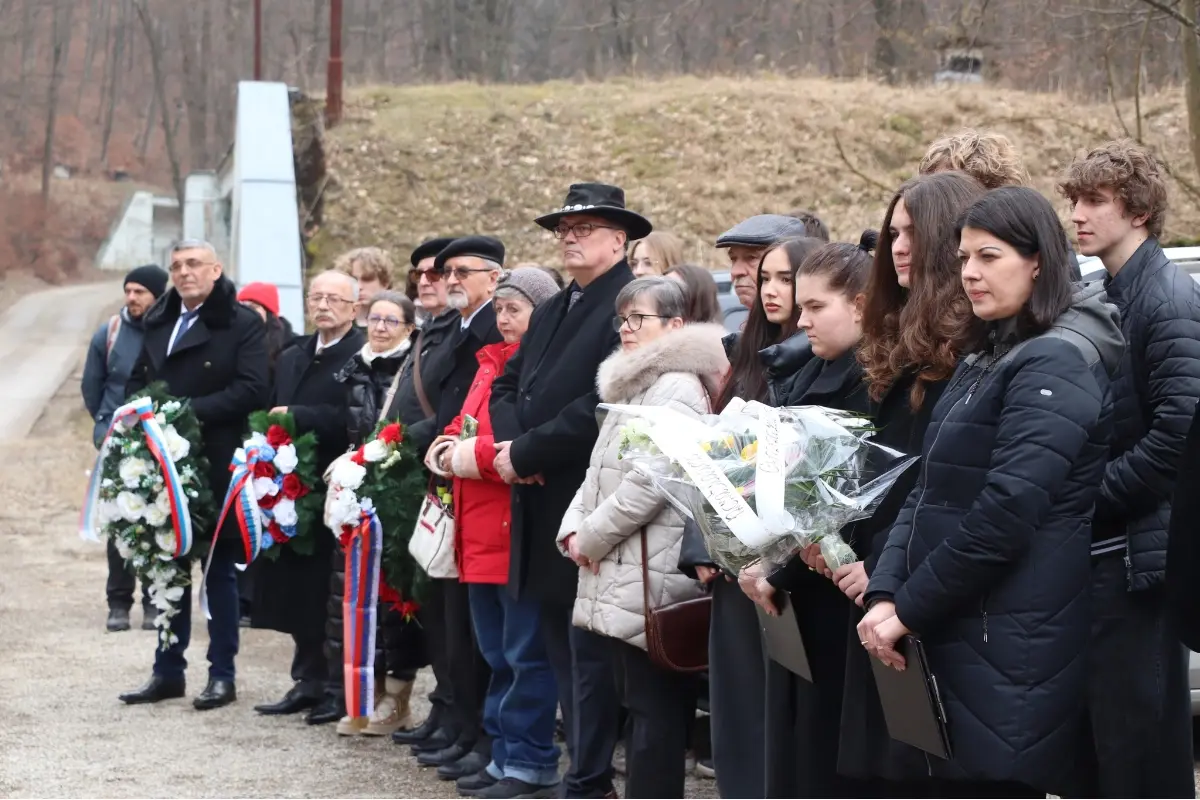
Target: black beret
x=484, y=247
x=429, y=248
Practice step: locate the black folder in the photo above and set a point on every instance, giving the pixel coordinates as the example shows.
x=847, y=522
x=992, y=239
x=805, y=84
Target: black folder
x=782, y=639
x=912, y=703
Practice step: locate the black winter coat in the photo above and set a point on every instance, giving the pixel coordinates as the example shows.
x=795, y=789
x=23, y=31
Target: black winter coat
x=1154, y=398
x=461, y=364
x=802, y=717
x=783, y=365
x=290, y=590
x=989, y=559
x=433, y=342
x=366, y=386
x=545, y=404
x=219, y=364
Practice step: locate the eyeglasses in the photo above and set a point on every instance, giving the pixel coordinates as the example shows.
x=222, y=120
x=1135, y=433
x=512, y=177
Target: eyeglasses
x=430, y=274
x=462, y=273
x=192, y=264
x=389, y=323
x=634, y=321
x=582, y=230
x=333, y=300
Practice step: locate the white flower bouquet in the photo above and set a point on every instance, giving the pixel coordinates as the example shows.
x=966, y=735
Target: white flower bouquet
x=148, y=492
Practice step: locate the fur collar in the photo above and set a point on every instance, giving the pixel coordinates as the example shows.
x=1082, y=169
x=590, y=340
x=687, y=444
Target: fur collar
x=218, y=311
x=693, y=349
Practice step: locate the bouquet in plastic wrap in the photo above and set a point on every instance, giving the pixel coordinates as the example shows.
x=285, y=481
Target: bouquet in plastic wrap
x=761, y=482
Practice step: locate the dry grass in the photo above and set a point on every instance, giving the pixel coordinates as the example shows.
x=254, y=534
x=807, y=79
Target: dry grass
x=694, y=155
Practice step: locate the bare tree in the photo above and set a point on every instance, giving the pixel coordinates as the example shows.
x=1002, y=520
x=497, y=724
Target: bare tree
x=160, y=92
x=60, y=32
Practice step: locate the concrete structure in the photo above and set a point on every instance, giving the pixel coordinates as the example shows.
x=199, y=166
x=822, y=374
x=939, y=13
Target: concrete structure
x=142, y=234
x=246, y=208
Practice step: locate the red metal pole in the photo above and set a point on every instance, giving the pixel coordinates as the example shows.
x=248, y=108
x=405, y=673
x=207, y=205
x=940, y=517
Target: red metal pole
x=258, y=40
x=333, y=80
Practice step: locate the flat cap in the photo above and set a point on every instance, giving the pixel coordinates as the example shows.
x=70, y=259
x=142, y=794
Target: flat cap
x=763, y=230
x=429, y=248
x=479, y=246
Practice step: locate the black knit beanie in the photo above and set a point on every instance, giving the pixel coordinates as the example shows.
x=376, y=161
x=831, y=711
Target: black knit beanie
x=151, y=276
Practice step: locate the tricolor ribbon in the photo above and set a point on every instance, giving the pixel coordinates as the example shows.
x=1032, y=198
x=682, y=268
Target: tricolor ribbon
x=359, y=603
x=132, y=413
x=239, y=498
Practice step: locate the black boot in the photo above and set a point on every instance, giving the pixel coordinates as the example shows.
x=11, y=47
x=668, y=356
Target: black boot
x=417, y=734
x=118, y=620
x=156, y=689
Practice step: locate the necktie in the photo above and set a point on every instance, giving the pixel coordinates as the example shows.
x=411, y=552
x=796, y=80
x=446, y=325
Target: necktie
x=185, y=322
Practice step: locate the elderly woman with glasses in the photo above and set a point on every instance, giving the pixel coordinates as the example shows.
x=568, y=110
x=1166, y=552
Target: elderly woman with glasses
x=617, y=518
x=370, y=378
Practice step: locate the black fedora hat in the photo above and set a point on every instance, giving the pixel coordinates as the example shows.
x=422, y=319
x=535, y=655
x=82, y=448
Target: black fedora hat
x=599, y=200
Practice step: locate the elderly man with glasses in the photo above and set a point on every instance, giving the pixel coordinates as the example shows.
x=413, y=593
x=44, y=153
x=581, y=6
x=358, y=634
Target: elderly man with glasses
x=212, y=350
x=291, y=591
x=544, y=416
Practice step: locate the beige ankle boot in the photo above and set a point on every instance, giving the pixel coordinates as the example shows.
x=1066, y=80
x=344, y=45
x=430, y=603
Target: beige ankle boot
x=392, y=712
x=351, y=726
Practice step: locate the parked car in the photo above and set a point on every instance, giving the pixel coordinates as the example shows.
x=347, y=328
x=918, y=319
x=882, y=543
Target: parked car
x=735, y=313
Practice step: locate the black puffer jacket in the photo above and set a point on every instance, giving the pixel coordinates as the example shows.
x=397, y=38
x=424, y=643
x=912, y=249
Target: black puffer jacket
x=366, y=388
x=783, y=364
x=1154, y=398
x=988, y=561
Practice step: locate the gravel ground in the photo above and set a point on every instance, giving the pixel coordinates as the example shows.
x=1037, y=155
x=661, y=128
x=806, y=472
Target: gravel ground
x=63, y=732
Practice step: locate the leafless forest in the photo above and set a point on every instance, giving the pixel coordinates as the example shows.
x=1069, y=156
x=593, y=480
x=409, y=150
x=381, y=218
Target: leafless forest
x=145, y=88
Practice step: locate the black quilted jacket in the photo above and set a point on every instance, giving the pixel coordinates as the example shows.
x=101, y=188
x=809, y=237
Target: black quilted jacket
x=989, y=559
x=1154, y=398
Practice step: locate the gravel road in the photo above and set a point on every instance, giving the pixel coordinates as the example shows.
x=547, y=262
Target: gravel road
x=63, y=732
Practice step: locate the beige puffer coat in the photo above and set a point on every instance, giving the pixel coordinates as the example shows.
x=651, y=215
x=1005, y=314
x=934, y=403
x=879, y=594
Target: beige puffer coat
x=616, y=502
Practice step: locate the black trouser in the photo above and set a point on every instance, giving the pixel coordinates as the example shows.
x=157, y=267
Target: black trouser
x=246, y=588
x=461, y=672
x=121, y=582
x=309, y=667
x=662, y=707
x=1139, y=702
x=583, y=669
x=736, y=691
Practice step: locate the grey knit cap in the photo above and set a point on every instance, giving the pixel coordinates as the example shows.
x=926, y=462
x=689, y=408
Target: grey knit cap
x=532, y=283
x=763, y=230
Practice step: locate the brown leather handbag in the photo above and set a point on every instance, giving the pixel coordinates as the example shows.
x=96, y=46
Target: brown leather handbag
x=676, y=634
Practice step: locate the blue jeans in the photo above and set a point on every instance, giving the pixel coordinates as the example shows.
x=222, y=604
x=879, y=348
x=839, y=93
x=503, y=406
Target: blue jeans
x=223, y=604
x=519, y=710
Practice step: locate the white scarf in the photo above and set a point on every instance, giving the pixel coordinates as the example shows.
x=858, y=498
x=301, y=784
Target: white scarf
x=368, y=355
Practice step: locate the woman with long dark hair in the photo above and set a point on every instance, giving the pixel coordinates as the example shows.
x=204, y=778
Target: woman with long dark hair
x=988, y=561
x=737, y=675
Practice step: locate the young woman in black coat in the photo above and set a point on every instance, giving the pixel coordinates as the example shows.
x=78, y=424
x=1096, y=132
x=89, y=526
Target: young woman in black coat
x=988, y=561
x=803, y=718
x=736, y=668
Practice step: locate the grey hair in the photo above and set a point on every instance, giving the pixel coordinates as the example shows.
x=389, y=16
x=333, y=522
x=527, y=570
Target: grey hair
x=193, y=244
x=344, y=276
x=666, y=295
x=492, y=265
x=397, y=299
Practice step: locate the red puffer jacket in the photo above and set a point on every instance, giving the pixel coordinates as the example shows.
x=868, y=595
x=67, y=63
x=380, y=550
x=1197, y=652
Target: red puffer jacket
x=482, y=501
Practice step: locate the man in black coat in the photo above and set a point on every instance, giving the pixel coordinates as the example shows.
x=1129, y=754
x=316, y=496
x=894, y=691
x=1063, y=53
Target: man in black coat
x=291, y=591
x=544, y=416
x=211, y=350
x=1139, y=701
x=415, y=406
x=471, y=266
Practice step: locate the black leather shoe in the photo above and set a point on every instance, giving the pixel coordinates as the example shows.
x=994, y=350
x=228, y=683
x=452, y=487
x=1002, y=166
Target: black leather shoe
x=118, y=620
x=441, y=757
x=469, y=764
x=417, y=734
x=218, y=693
x=293, y=702
x=471, y=785
x=330, y=709
x=148, y=616
x=439, y=740
x=157, y=689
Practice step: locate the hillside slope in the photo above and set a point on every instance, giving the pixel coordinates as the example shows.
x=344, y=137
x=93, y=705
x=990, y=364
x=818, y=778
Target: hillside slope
x=694, y=155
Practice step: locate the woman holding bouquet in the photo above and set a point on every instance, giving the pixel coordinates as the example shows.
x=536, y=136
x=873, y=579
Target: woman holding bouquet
x=802, y=718
x=519, y=708
x=618, y=518
x=369, y=378
x=988, y=561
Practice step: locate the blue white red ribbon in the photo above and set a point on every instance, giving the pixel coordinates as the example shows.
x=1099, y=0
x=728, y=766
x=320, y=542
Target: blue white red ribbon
x=131, y=414
x=241, y=498
x=359, y=604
